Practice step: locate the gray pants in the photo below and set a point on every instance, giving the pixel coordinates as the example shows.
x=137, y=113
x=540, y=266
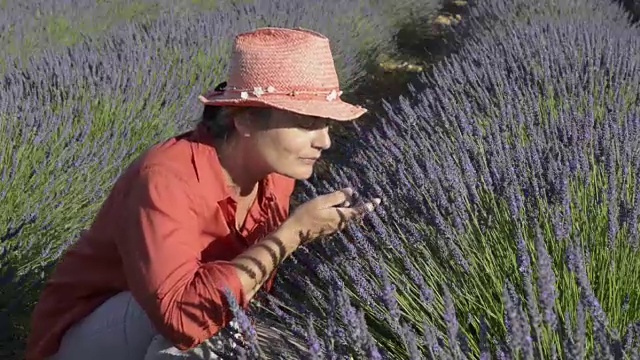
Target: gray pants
x=120, y=329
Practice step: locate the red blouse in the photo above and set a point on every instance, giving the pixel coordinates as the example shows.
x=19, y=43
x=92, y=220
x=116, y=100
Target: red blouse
x=166, y=233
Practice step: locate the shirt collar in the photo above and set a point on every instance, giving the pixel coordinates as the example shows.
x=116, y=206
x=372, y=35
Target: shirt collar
x=209, y=170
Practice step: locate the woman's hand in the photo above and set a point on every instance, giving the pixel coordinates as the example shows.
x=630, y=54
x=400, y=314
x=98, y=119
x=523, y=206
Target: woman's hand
x=327, y=214
x=324, y=215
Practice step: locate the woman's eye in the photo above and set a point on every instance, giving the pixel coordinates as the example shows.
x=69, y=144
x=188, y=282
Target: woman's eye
x=311, y=123
x=308, y=123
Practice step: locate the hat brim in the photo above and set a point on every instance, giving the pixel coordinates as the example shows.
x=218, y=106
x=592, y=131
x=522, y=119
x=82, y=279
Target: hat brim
x=335, y=110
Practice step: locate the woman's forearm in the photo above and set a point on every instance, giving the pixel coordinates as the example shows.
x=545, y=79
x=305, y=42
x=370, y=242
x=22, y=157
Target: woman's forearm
x=257, y=263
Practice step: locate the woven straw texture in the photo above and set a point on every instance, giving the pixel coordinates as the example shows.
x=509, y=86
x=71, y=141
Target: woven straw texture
x=288, y=69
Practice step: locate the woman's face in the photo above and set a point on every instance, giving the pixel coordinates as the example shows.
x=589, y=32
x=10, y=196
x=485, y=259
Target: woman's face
x=285, y=142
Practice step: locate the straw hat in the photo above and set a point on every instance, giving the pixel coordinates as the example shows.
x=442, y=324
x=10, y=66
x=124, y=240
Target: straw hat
x=287, y=69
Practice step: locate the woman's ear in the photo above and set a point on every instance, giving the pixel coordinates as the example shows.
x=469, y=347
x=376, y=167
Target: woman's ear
x=242, y=120
x=248, y=121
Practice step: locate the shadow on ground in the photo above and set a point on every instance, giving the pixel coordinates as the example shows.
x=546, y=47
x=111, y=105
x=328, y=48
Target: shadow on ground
x=633, y=7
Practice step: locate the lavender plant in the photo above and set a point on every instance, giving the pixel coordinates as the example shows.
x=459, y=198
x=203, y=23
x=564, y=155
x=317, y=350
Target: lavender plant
x=511, y=217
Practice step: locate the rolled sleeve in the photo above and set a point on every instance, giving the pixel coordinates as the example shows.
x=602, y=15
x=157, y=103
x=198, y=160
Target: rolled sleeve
x=184, y=298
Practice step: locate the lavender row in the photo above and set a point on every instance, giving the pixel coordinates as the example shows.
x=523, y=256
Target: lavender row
x=510, y=224
x=27, y=27
x=30, y=28
x=505, y=12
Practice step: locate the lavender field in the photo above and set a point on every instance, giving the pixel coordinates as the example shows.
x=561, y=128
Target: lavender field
x=508, y=168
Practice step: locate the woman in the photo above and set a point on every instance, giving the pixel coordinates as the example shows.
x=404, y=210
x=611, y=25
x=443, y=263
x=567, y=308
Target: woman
x=203, y=212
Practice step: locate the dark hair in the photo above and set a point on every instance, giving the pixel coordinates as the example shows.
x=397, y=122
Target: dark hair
x=218, y=119
x=217, y=126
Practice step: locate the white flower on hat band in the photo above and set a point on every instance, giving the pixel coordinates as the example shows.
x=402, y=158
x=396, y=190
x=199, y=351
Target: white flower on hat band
x=257, y=91
x=332, y=96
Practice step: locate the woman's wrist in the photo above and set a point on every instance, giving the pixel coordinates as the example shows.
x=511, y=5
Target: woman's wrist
x=288, y=235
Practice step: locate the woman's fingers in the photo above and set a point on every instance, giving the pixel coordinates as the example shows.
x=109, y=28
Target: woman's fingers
x=348, y=213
